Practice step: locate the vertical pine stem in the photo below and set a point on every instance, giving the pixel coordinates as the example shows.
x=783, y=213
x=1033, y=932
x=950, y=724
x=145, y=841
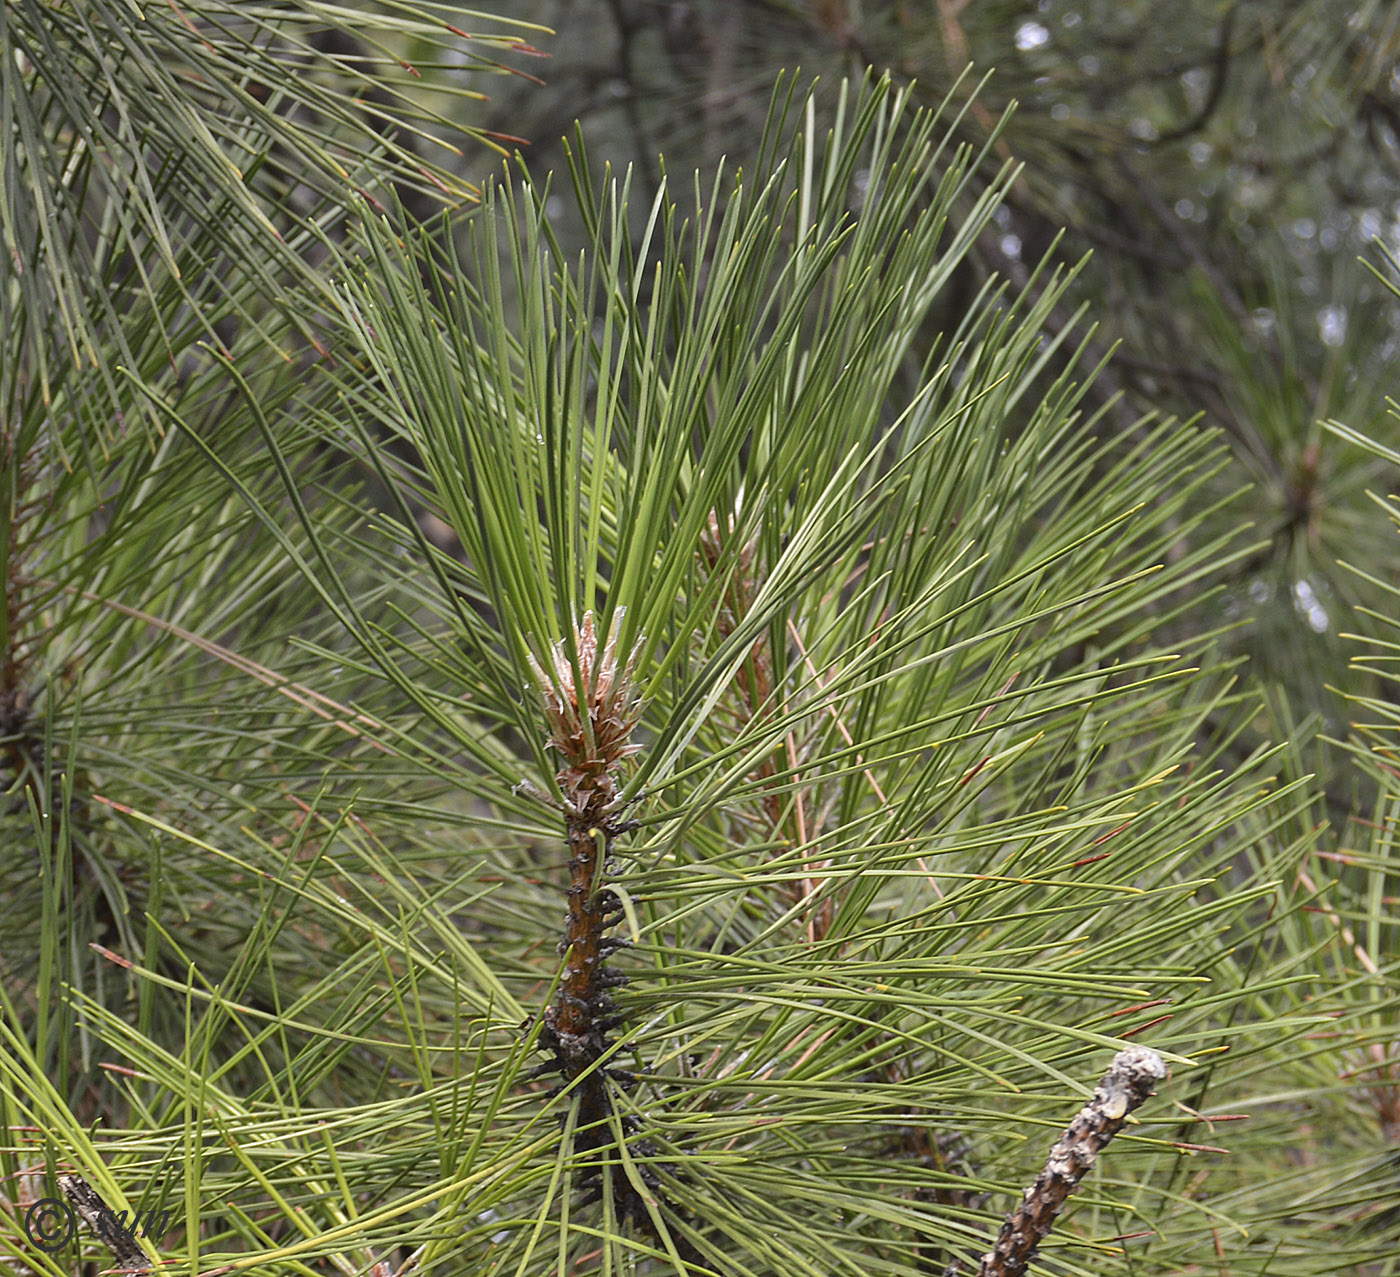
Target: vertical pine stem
x=590, y=728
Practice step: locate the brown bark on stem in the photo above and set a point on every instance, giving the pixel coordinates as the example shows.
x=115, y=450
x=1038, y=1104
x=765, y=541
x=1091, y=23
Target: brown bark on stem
x=592, y=711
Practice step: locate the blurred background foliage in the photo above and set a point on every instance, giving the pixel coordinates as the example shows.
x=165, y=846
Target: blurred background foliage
x=1226, y=162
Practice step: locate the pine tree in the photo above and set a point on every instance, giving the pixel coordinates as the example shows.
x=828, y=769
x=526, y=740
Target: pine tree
x=660, y=760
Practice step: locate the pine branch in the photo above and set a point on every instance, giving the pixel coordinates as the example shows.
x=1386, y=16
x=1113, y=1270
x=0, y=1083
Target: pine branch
x=591, y=708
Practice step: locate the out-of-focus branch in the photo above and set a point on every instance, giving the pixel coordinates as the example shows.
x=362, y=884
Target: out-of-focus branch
x=627, y=25
x=1221, y=73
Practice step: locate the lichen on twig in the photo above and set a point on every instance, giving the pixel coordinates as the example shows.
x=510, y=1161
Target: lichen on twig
x=1130, y=1080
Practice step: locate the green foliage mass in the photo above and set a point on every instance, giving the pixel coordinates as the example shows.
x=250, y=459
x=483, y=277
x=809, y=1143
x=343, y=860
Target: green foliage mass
x=354, y=556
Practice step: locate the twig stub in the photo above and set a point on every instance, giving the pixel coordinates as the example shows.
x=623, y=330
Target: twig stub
x=1130, y=1080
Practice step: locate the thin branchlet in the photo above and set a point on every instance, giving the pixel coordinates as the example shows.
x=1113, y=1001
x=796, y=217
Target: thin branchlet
x=109, y=1226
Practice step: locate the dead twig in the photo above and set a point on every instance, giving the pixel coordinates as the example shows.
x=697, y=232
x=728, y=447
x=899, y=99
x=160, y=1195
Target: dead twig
x=1130, y=1080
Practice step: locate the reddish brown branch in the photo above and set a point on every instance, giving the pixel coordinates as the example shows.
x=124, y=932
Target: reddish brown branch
x=592, y=710
x=754, y=687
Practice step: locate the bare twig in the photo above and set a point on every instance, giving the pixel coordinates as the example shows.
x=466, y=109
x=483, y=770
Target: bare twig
x=109, y=1226
x=1347, y=934
x=1127, y=1084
